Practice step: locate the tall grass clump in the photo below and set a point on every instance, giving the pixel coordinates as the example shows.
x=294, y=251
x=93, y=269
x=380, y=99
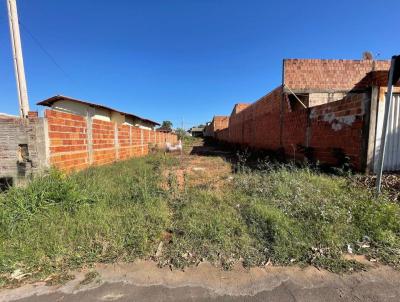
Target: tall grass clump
x=103, y=214
x=299, y=215
x=206, y=226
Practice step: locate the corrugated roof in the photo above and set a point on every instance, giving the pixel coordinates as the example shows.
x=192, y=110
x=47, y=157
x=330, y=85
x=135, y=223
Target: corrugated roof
x=50, y=101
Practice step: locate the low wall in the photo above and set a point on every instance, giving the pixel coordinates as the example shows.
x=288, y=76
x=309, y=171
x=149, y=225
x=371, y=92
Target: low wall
x=78, y=142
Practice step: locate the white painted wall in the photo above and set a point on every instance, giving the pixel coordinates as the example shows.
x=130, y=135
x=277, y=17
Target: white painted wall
x=82, y=110
x=99, y=114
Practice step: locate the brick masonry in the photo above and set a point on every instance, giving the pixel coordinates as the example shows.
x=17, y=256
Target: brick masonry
x=330, y=131
x=332, y=128
x=77, y=142
x=218, y=123
x=68, y=142
x=329, y=75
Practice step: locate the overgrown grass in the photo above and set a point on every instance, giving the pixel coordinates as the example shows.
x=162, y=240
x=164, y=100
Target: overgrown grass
x=103, y=214
x=301, y=216
x=283, y=215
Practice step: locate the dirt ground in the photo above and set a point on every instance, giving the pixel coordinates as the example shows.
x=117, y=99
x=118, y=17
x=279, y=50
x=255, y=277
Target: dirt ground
x=199, y=166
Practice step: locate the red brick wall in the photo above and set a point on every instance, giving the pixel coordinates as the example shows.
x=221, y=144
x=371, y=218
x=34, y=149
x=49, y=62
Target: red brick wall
x=266, y=120
x=124, y=142
x=306, y=74
x=325, y=128
x=69, y=147
x=270, y=123
x=103, y=135
x=339, y=125
x=222, y=135
x=294, y=130
x=258, y=125
x=220, y=122
x=67, y=140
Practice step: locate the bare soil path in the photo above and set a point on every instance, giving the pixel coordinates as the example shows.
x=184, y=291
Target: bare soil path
x=199, y=166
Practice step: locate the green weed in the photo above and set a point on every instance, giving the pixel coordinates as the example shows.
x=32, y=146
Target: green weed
x=121, y=212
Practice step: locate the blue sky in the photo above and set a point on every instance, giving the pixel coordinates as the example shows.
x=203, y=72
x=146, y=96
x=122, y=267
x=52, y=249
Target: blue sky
x=174, y=60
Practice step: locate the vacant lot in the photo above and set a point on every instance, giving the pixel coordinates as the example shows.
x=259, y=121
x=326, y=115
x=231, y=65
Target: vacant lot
x=182, y=210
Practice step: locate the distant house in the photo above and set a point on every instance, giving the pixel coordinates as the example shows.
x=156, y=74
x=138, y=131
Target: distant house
x=164, y=129
x=96, y=111
x=197, y=131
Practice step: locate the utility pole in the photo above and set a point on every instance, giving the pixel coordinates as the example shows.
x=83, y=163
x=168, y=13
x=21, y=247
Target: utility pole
x=18, y=59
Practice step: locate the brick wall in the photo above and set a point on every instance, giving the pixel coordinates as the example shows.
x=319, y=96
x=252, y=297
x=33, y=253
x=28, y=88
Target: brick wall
x=332, y=131
x=68, y=145
x=124, y=142
x=316, y=74
x=337, y=129
x=222, y=135
x=77, y=142
x=219, y=123
x=68, y=142
x=333, y=126
x=258, y=125
x=105, y=149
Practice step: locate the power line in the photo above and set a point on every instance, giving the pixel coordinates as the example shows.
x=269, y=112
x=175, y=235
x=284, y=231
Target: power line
x=40, y=45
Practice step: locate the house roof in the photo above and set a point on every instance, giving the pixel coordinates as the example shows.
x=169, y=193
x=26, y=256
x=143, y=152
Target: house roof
x=164, y=129
x=197, y=129
x=50, y=101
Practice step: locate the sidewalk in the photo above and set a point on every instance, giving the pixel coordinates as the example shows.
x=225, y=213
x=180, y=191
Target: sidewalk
x=144, y=281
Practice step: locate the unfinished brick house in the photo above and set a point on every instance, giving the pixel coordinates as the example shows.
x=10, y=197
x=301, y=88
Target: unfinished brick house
x=330, y=111
x=72, y=140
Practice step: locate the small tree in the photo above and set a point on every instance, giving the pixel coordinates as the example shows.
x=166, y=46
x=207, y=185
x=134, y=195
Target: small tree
x=166, y=125
x=181, y=133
